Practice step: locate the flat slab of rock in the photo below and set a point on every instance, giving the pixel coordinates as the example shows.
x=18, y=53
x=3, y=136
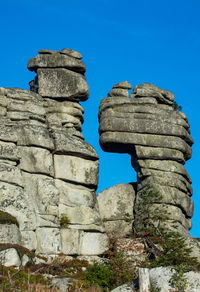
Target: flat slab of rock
x=56, y=60
x=76, y=169
x=60, y=83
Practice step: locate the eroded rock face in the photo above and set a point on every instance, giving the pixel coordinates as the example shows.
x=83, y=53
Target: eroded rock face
x=157, y=136
x=47, y=170
x=116, y=209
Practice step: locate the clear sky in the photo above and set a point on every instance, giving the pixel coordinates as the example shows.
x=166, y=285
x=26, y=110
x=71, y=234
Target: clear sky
x=155, y=41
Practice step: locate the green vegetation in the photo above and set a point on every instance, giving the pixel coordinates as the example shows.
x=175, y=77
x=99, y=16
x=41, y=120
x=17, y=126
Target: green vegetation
x=155, y=245
x=154, y=287
x=178, y=280
x=16, y=280
x=98, y=275
x=64, y=221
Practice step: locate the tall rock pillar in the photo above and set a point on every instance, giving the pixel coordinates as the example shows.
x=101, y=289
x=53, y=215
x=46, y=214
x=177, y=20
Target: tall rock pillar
x=48, y=173
x=149, y=127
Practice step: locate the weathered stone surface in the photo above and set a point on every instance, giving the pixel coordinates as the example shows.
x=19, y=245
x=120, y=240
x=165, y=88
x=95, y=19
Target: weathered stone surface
x=47, y=51
x=45, y=197
x=118, y=228
x=49, y=241
x=167, y=178
x=46, y=167
x=36, y=160
x=63, y=119
x=69, y=107
x=75, y=195
x=70, y=241
x=10, y=258
x=15, y=201
x=120, y=89
x=118, y=92
x=72, y=53
x=76, y=169
x=62, y=84
x=8, y=130
x=144, y=126
x=93, y=243
x=34, y=105
x=148, y=112
x=144, y=100
x=9, y=233
x=22, y=94
x=67, y=144
x=116, y=203
x=10, y=174
x=148, y=89
x=158, y=138
x=156, y=153
x=29, y=239
x=82, y=215
x=9, y=151
x=56, y=60
x=144, y=280
x=123, y=141
x=166, y=182
x=33, y=135
x=163, y=165
x=116, y=208
x=162, y=275
x=123, y=84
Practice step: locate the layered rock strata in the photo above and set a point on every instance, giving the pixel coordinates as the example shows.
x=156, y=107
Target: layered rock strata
x=48, y=173
x=157, y=136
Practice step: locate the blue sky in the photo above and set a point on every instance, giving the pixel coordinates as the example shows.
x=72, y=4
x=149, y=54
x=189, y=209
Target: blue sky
x=155, y=41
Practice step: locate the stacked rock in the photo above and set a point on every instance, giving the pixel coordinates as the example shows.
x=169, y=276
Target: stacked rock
x=48, y=173
x=157, y=136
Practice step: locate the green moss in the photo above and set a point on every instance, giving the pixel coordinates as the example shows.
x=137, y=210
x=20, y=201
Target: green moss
x=6, y=218
x=64, y=221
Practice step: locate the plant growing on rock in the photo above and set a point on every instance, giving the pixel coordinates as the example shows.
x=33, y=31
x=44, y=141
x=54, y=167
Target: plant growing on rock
x=99, y=275
x=64, y=221
x=165, y=247
x=178, y=279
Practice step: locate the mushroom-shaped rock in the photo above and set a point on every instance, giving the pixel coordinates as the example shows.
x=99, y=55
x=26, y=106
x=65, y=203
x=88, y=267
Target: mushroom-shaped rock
x=157, y=137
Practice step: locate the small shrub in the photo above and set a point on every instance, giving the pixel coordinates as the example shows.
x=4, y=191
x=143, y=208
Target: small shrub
x=98, y=275
x=178, y=279
x=64, y=221
x=154, y=287
x=121, y=265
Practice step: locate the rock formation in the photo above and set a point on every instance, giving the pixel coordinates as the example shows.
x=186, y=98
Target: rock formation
x=48, y=173
x=116, y=209
x=157, y=136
